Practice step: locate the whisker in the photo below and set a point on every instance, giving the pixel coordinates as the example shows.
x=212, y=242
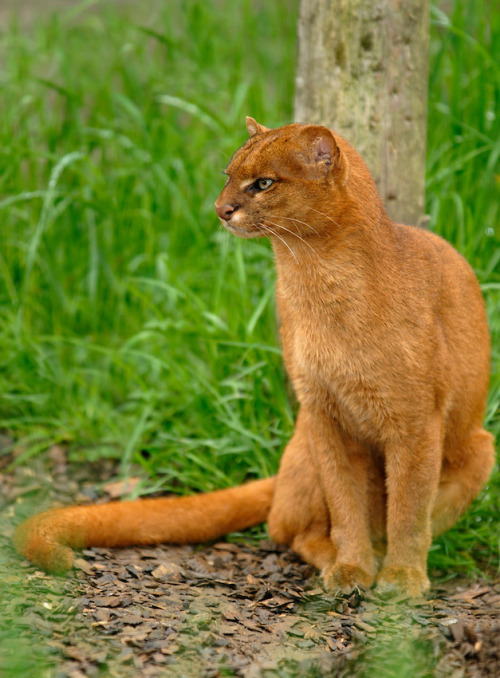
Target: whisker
x=327, y=216
x=268, y=228
x=278, y=216
x=295, y=234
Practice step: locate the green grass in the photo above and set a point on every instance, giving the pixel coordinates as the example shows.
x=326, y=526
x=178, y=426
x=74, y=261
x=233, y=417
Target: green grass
x=130, y=322
x=463, y=199
x=131, y=326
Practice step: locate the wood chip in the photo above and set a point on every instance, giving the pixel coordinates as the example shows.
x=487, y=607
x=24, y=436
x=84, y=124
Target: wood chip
x=84, y=565
x=166, y=570
x=108, y=601
x=470, y=593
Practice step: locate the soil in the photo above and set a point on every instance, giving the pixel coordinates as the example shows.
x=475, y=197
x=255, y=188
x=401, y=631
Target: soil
x=224, y=609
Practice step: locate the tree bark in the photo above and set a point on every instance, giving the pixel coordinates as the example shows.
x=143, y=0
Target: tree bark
x=363, y=72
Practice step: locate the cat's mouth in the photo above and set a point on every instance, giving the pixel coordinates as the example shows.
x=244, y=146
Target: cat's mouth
x=241, y=232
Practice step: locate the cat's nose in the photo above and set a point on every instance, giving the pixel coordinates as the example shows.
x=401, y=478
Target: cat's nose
x=225, y=211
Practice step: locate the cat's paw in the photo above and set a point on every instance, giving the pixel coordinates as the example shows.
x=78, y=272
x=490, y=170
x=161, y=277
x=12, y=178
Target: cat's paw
x=343, y=578
x=396, y=579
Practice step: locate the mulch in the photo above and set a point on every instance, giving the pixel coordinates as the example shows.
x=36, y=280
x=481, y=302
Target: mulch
x=228, y=608
x=258, y=610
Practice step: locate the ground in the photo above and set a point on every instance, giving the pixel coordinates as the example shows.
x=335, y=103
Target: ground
x=218, y=610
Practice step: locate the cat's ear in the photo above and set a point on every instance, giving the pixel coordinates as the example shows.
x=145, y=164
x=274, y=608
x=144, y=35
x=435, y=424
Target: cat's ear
x=325, y=148
x=320, y=149
x=254, y=128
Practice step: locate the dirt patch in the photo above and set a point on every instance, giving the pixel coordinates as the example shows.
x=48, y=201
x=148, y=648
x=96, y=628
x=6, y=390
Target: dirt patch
x=259, y=611
x=221, y=610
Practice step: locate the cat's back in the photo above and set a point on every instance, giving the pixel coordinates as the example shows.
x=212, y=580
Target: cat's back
x=438, y=275
x=428, y=256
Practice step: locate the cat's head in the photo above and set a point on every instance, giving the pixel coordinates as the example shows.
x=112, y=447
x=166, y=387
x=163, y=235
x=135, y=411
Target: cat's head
x=281, y=181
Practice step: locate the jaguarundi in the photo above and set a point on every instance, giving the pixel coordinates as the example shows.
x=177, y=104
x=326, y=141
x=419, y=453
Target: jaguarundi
x=386, y=344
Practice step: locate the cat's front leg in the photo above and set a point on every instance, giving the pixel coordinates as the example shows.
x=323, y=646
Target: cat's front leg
x=343, y=470
x=412, y=468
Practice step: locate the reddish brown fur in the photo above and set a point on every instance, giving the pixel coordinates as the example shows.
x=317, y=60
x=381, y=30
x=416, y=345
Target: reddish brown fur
x=385, y=340
x=47, y=538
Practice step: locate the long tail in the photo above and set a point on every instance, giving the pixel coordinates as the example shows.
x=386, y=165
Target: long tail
x=47, y=539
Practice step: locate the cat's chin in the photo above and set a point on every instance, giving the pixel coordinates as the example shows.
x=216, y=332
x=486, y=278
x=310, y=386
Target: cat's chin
x=242, y=232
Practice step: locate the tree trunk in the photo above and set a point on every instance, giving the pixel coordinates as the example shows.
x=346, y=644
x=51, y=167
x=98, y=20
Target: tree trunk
x=363, y=72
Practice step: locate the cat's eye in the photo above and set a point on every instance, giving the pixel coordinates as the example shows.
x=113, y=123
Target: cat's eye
x=262, y=184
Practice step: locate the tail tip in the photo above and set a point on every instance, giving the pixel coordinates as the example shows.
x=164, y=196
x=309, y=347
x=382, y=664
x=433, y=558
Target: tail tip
x=34, y=543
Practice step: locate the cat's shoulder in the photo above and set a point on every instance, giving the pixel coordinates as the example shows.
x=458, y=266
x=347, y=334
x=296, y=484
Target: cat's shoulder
x=436, y=254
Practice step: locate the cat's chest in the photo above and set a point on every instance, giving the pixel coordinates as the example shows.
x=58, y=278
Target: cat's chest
x=322, y=361
x=333, y=370
x=318, y=352
x=319, y=343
